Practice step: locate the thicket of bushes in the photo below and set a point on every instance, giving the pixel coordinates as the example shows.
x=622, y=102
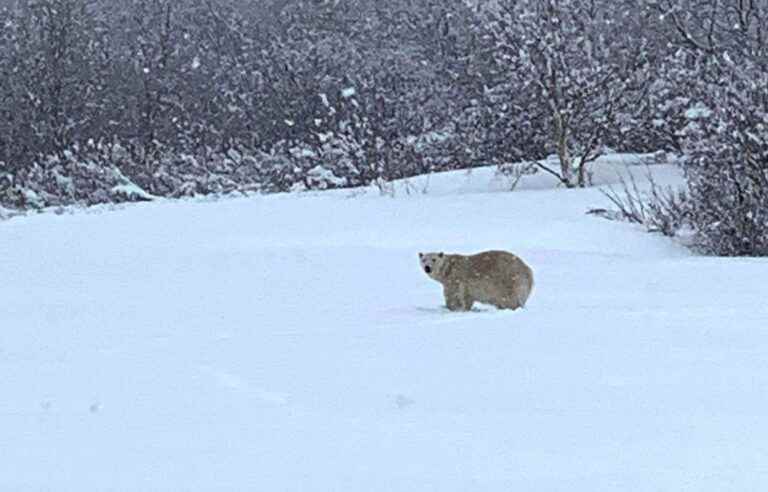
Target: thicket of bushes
x=113, y=100
x=713, y=91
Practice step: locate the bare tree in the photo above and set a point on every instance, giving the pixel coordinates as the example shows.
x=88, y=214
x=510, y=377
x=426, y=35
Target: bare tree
x=564, y=57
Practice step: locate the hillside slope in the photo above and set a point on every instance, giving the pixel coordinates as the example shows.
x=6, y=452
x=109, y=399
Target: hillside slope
x=291, y=343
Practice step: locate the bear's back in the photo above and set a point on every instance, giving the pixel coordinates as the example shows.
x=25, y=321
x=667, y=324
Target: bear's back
x=497, y=262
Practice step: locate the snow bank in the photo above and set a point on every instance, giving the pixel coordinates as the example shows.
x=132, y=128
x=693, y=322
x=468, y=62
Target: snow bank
x=291, y=343
x=606, y=170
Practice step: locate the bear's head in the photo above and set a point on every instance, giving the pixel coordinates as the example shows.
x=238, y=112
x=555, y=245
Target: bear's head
x=432, y=263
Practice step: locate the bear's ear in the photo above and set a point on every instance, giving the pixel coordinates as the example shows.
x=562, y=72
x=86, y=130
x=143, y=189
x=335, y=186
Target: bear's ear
x=421, y=255
x=440, y=255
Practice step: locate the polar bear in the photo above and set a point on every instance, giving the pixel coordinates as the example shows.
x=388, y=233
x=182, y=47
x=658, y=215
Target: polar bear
x=491, y=277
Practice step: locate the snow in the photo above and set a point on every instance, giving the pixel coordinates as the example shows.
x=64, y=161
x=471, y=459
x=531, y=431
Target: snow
x=132, y=190
x=30, y=196
x=290, y=342
x=607, y=170
x=698, y=111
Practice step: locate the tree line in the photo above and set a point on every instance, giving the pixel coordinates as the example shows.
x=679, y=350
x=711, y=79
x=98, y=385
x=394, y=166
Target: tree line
x=111, y=100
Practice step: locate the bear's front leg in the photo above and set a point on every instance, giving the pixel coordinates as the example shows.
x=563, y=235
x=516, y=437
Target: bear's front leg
x=455, y=298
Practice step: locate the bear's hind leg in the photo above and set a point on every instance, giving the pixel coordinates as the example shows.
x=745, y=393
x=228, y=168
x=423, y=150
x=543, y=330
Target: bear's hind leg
x=466, y=301
x=508, y=302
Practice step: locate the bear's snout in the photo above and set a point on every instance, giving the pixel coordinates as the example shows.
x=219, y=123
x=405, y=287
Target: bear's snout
x=428, y=269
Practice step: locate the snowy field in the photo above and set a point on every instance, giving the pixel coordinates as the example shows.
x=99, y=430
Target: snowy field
x=291, y=343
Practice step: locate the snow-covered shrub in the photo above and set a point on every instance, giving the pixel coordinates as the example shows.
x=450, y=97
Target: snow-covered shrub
x=661, y=114
x=175, y=175
x=659, y=209
x=108, y=173
x=723, y=209
x=726, y=143
x=279, y=172
x=710, y=102
x=515, y=171
x=77, y=177
x=321, y=178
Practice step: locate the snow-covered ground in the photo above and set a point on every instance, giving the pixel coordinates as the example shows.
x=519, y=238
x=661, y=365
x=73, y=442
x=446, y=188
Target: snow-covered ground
x=291, y=343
